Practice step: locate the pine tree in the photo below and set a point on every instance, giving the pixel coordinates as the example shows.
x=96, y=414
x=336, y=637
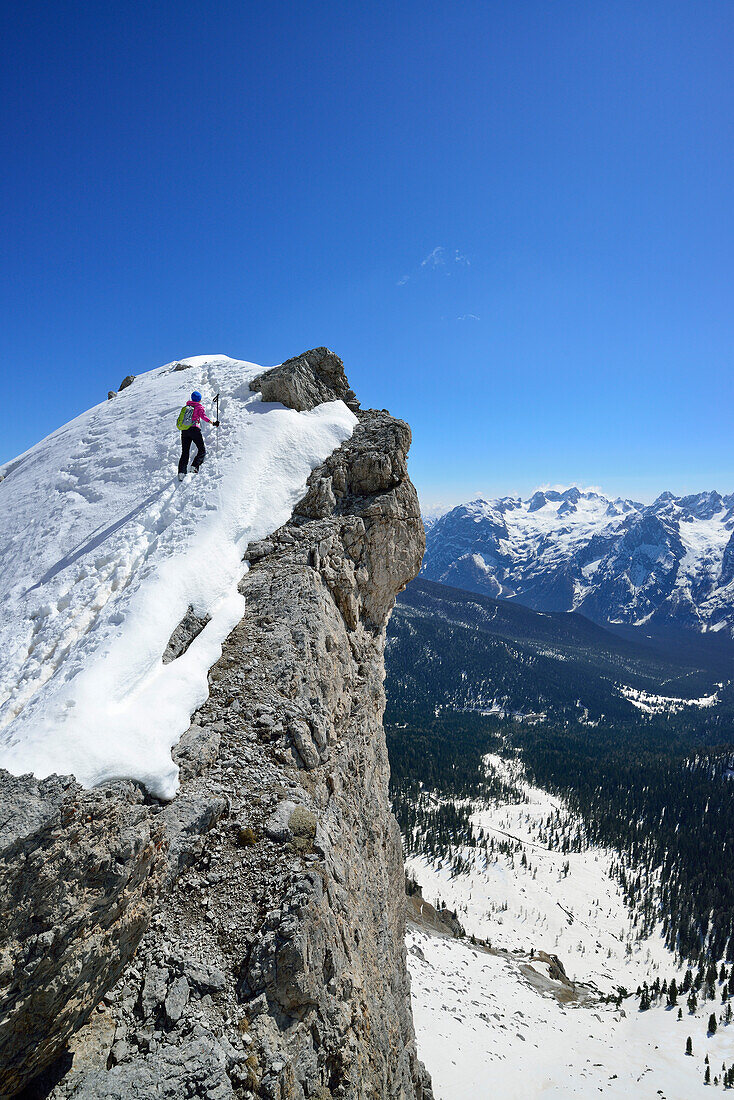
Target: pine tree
x=689, y=1046
x=712, y=1023
x=707, y=1076
x=672, y=993
x=680, y=1013
x=692, y=1002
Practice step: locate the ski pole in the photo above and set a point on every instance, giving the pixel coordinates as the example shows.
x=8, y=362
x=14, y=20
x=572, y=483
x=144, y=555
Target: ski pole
x=217, y=401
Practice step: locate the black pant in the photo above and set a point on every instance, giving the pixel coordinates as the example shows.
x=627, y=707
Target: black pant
x=189, y=436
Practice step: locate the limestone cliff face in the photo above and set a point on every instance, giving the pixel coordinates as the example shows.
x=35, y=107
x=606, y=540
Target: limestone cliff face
x=273, y=964
x=80, y=872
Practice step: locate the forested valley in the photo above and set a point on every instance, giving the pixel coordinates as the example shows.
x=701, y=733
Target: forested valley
x=651, y=779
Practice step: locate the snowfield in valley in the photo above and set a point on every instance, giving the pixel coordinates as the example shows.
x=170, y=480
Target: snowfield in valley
x=665, y=704
x=564, y=903
x=103, y=552
x=484, y=1031
x=490, y=1023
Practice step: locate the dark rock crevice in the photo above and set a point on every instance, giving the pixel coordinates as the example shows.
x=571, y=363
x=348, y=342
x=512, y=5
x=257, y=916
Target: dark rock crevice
x=187, y=630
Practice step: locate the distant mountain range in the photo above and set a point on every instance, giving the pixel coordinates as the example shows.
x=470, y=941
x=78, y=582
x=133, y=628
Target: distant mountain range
x=618, y=562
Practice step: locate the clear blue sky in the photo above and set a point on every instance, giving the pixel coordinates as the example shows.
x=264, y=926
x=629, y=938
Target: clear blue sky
x=512, y=220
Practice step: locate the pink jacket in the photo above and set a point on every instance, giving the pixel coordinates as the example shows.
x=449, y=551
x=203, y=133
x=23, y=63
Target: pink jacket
x=199, y=413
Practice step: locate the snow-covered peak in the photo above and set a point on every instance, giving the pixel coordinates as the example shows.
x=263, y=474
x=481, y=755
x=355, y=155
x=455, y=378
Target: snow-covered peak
x=581, y=512
x=102, y=553
x=614, y=560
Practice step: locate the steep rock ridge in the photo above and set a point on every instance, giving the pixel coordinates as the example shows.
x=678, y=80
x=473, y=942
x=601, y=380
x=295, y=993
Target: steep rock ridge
x=80, y=873
x=274, y=964
x=615, y=561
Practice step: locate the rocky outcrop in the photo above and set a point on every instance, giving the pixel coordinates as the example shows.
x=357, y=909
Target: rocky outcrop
x=80, y=872
x=274, y=963
x=306, y=381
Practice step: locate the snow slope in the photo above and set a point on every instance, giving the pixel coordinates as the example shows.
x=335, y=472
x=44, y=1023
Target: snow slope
x=102, y=552
x=484, y=1029
x=563, y=903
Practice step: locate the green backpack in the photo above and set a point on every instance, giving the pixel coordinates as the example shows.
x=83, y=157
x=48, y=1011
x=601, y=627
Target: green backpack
x=185, y=418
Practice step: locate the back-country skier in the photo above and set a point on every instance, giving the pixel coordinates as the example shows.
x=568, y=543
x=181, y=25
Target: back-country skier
x=188, y=423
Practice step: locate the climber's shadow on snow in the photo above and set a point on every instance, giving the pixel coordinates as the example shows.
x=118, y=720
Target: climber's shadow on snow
x=93, y=541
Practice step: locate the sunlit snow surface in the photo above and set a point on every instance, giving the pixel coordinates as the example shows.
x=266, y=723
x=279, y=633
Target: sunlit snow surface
x=484, y=1031
x=578, y=914
x=102, y=551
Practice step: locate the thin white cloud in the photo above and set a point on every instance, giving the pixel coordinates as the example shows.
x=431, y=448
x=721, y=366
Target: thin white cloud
x=469, y=317
x=432, y=507
x=436, y=258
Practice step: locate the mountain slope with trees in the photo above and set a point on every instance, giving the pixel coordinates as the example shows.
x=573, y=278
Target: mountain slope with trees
x=639, y=742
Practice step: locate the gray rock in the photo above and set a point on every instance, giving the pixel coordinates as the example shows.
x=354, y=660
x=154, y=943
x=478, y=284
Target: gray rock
x=198, y=1069
x=177, y=999
x=28, y=803
x=187, y=818
x=120, y=1051
x=154, y=992
x=277, y=826
x=204, y=978
x=189, y=628
x=307, y=381
x=80, y=872
x=257, y=550
x=196, y=750
x=304, y=743
x=127, y=381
